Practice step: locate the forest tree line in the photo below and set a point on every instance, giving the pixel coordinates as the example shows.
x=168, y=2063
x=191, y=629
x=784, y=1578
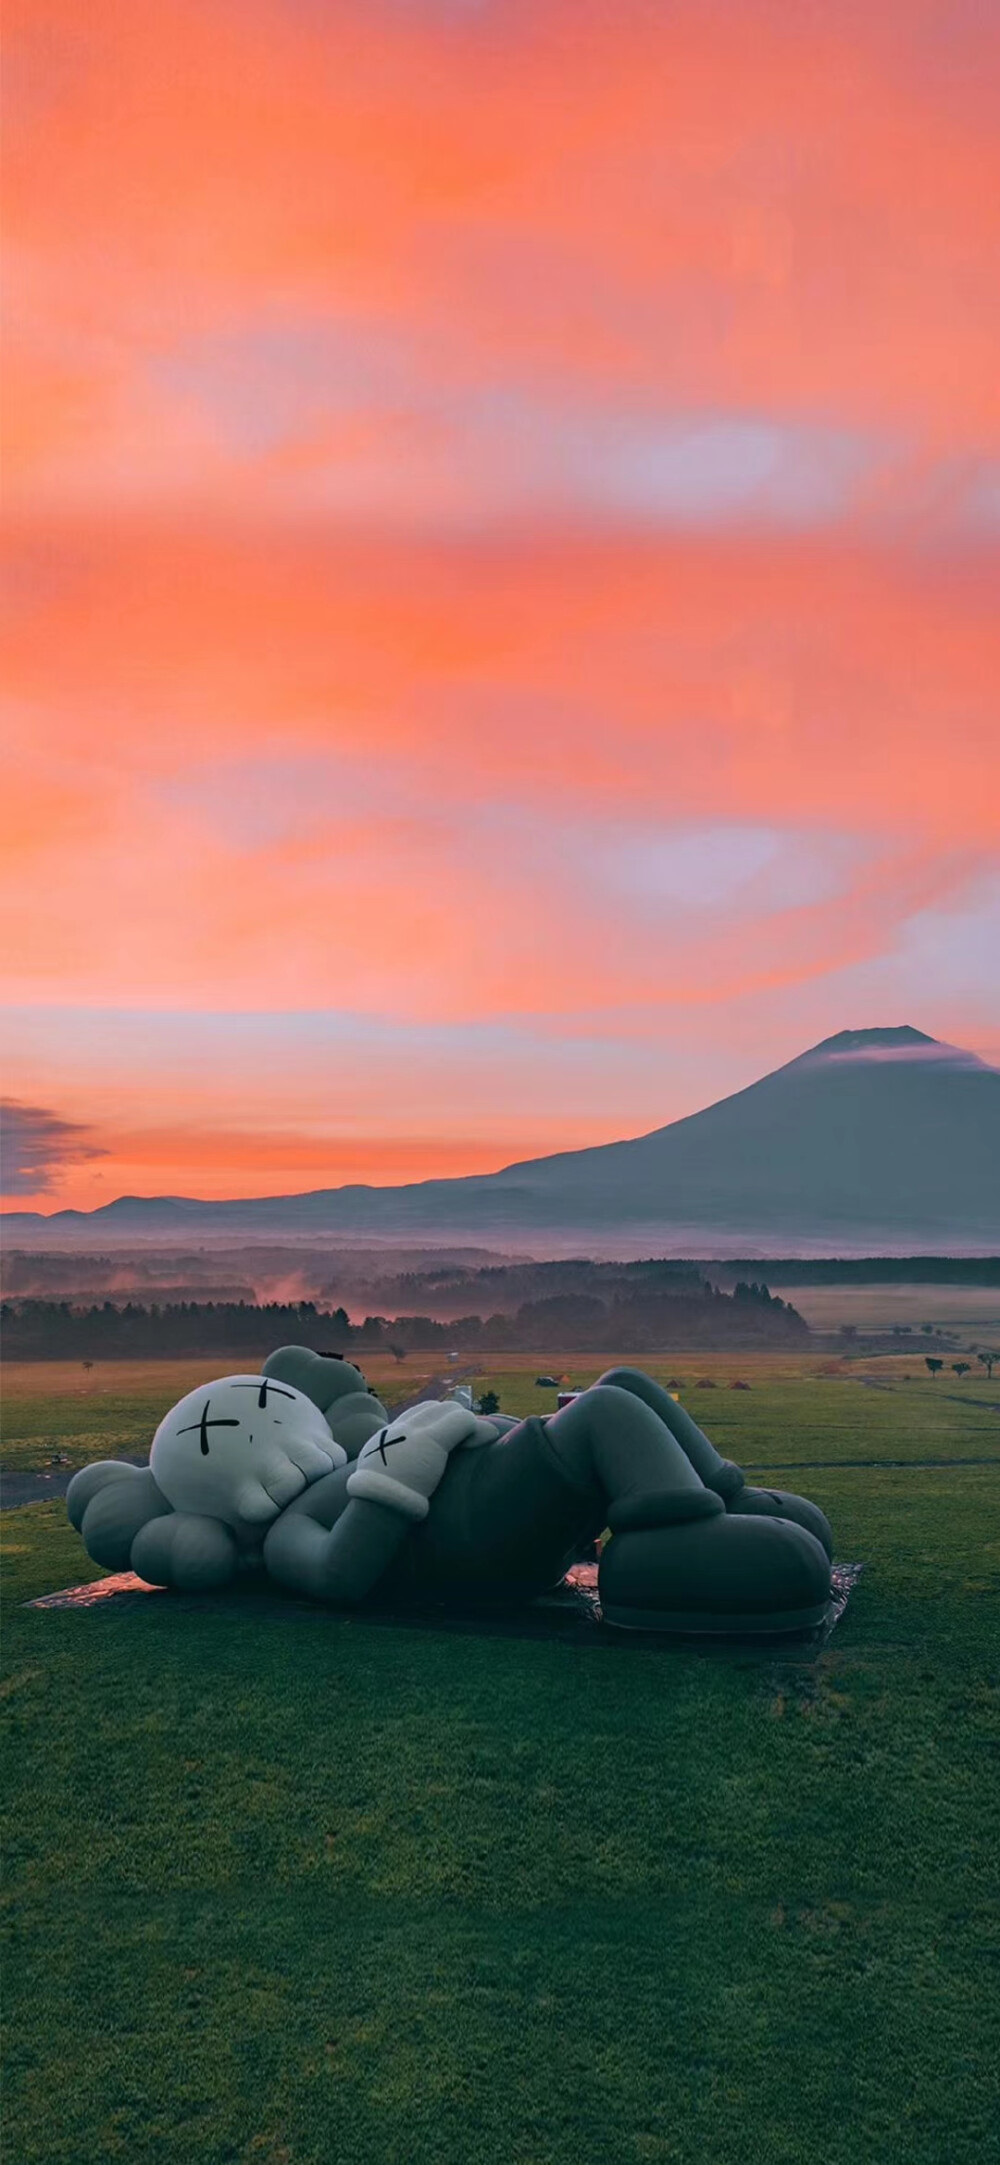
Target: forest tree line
x=636, y=1322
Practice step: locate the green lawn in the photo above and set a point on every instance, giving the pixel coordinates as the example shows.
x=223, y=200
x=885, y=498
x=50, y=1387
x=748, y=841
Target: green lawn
x=793, y=1416
x=290, y=1888
x=59, y=1407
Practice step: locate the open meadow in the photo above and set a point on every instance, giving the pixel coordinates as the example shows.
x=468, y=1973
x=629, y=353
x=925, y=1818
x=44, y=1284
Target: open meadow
x=968, y=1311
x=285, y=1887
x=111, y=1409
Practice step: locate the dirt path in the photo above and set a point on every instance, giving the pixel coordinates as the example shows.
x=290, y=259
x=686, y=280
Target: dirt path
x=40, y=1482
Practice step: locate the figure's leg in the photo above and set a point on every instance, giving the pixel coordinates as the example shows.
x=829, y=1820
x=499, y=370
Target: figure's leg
x=611, y=1438
x=677, y=1561
x=720, y=1474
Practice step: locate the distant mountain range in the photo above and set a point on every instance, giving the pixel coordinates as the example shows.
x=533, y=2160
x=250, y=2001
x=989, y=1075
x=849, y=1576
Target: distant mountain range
x=874, y=1141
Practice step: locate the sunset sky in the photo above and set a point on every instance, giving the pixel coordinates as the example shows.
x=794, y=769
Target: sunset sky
x=502, y=538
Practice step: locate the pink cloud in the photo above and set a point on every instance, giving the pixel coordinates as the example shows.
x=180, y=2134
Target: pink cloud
x=446, y=448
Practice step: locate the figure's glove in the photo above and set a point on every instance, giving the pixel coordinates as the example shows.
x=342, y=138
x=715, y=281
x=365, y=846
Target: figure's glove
x=403, y=1464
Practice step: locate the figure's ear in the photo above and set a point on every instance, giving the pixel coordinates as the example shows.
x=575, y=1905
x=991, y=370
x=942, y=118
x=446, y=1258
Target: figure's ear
x=323, y=1377
x=353, y=1419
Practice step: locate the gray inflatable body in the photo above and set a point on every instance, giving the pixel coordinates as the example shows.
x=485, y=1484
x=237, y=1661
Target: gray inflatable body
x=300, y=1473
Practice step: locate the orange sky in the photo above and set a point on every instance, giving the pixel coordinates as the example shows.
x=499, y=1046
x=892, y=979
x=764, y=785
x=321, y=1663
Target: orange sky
x=502, y=515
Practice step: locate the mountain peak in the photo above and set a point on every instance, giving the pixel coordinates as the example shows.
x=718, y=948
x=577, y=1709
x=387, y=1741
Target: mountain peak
x=877, y=1137
x=899, y=1038
x=900, y=1046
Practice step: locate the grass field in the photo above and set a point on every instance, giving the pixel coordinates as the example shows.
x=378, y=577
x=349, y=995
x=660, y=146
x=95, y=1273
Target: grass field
x=288, y=1888
x=971, y=1312
x=113, y=1408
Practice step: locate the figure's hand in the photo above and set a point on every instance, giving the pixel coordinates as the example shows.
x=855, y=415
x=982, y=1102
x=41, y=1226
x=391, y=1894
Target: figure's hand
x=352, y=1412
x=403, y=1464
x=483, y=1431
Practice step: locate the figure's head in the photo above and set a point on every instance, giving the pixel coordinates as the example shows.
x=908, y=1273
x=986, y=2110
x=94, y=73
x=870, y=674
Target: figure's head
x=240, y=1449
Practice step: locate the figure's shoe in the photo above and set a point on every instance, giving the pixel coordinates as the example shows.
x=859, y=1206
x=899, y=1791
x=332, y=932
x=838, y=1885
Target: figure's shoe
x=725, y=1575
x=778, y=1504
x=729, y=1482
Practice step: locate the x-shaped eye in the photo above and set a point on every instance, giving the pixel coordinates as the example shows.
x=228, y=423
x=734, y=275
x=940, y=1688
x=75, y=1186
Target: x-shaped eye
x=205, y=1424
x=265, y=1386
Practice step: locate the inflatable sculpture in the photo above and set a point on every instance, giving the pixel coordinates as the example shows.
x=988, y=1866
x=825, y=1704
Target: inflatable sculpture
x=301, y=1474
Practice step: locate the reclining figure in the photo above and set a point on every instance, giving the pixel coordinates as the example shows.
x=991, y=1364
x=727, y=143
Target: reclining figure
x=301, y=1473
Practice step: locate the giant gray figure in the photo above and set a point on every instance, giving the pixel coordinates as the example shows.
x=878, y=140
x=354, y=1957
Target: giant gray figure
x=302, y=1474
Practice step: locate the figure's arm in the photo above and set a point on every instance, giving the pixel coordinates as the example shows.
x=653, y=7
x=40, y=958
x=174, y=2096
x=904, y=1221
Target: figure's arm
x=340, y=1563
x=389, y=1489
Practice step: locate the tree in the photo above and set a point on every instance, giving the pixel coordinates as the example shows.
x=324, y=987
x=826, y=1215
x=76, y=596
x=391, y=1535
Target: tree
x=988, y=1357
x=488, y=1403
x=961, y=1368
x=932, y=1363
x=398, y=1353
